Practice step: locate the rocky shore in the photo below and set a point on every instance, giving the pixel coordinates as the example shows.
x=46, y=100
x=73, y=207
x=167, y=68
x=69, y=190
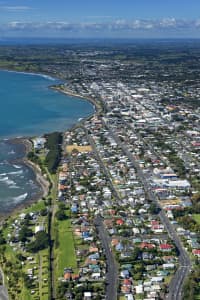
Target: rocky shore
x=39, y=177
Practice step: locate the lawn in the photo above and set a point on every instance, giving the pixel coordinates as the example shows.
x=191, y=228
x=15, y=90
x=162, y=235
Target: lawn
x=196, y=218
x=35, y=207
x=65, y=254
x=43, y=259
x=25, y=295
x=10, y=254
x=168, y=278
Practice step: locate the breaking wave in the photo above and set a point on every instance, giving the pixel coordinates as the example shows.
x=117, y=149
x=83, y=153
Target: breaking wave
x=20, y=198
x=17, y=167
x=12, y=173
x=4, y=179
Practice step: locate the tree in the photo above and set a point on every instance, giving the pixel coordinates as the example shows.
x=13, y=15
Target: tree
x=41, y=242
x=53, y=143
x=20, y=257
x=62, y=206
x=44, y=212
x=2, y=239
x=28, y=282
x=153, y=209
x=25, y=233
x=195, y=198
x=60, y=215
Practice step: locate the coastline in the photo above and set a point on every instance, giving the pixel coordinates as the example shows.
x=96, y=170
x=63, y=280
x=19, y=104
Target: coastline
x=25, y=140
x=39, y=178
x=47, y=76
x=69, y=92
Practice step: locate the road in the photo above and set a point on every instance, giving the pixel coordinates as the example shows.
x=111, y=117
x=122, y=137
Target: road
x=3, y=290
x=104, y=169
x=3, y=293
x=112, y=270
x=176, y=284
x=53, y=208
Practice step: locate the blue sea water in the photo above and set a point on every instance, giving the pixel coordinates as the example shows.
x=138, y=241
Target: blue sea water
x=17, y=181
x=27, y=108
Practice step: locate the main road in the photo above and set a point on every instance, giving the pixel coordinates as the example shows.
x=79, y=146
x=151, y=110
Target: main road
x=176, y=284
x=112, y=270
x=111, y=265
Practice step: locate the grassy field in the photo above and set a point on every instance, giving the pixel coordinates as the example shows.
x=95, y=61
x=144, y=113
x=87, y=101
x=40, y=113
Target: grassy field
x=80, y=149
x=25, y=295
x=65, y=253
x=196, y=218
x=35, y=207
x=20, y=290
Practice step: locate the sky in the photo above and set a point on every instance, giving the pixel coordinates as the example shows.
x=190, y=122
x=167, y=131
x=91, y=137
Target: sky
x=100, y=18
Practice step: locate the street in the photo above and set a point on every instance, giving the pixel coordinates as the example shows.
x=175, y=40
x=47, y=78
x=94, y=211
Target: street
x=112, y=272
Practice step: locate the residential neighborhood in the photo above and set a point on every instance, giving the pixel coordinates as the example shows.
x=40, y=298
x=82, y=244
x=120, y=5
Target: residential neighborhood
x=121, y=216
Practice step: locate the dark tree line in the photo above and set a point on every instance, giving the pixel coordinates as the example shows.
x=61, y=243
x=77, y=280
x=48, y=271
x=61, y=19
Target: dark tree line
x=53, y=144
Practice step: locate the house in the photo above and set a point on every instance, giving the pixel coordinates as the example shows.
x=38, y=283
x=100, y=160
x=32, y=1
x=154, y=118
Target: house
x=168, y=266
x=147, y=256
x=75, y=277
x=96, y=275
x=85, y=234
x=168, y=258
x=150, y=267
x=119, y=247
x=129, y=297
x=125, y=289
x=165, y=247
x=38, y=143
x=87, y=296
x=127, y=281
x=139, y=289
x=39, y=228
x=124, y=274
x=93, y=249
x=196, y=252
x=147, y=246
x=119, y=222
x=74, y=208
x=67, y=276
x=22, y=216
x=156, y=279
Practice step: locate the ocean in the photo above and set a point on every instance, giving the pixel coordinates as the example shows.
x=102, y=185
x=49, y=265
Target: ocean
x=29, y=108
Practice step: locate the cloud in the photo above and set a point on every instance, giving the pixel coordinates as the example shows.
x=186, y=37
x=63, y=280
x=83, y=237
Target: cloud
x=120, y=25
x=15, y=8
